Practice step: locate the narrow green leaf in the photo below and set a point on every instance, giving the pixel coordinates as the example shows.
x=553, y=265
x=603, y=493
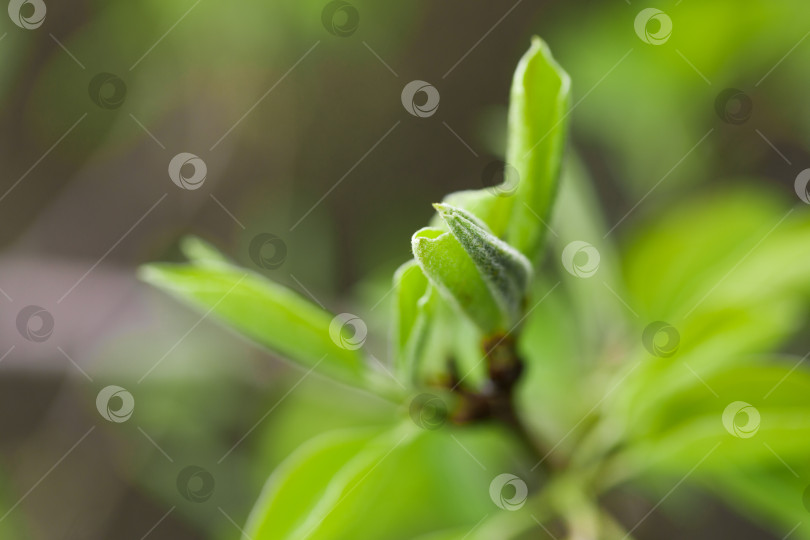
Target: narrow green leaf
x=451, y=270
x=505, y=270
x=266, y=312
x=201, y=252
x=537, y=130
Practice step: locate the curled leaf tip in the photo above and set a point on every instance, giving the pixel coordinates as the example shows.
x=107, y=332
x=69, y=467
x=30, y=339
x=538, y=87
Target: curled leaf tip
x=505, y=270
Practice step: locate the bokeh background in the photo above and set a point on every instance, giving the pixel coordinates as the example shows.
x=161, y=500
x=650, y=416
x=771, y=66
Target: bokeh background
x=304, y=136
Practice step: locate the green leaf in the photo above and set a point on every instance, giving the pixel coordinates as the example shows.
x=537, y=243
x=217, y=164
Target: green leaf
x=425, y=350
x=411, y=285
x=390, y=485
x=742, y=251
x=482, y=203
x=506, y=271
x=303, y=481
x=201, y=252
x=448, y=267
x=678, y=430
x=266, y=312
x=537, y=130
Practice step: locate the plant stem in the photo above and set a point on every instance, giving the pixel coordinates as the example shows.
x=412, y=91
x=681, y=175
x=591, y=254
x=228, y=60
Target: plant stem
x=496, y=400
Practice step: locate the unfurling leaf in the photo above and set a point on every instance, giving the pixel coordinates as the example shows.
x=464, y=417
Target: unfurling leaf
x=448, y=267
x=537, y=128
x=505, y=270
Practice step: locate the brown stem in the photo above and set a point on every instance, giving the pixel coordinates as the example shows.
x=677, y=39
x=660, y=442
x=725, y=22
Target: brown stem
x=496, y=400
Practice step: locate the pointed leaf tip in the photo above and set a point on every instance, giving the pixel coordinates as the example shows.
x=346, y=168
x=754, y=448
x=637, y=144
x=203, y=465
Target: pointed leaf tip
x=504, y=269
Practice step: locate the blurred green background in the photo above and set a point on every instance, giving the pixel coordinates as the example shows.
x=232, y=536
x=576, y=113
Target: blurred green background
x=83, y=204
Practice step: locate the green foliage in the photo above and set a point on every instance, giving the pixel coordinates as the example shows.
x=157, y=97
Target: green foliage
x=266, y=312
x=565, y=374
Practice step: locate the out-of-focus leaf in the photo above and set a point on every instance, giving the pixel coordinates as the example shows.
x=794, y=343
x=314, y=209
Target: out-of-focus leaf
x=526, y=522
x=598, y=301
x=411, y=285
x=451, y=270
x=555, y=363
x=427, y=343
x=321, y=490
x=300, y=484
x=709, y=343
x=708, y=269
x=201, y=252
x=505, y=270
x=771, y=495
x=681, y=429
x=537, y=110
x=718, y=252
x=266, y=312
